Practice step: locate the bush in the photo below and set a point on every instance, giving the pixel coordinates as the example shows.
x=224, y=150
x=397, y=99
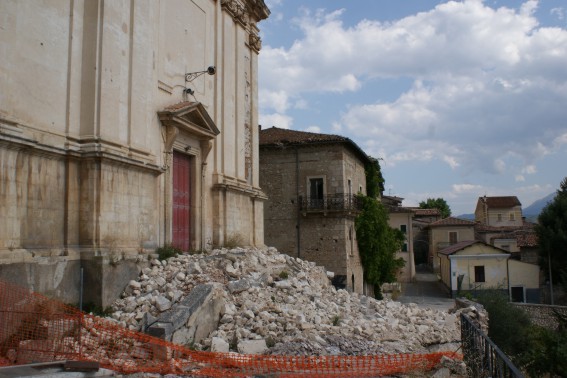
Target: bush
x=507, y=324
x=233, y=241
x=167, y=251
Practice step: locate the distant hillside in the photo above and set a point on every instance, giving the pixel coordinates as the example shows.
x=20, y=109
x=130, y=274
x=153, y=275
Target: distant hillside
x=466, y=216
x=535, y=208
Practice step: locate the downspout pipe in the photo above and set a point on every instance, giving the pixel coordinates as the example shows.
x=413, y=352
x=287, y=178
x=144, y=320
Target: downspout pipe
x=298, y=225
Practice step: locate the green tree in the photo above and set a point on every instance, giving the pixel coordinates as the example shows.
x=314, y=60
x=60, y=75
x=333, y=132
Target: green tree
x=552, y=235
x=437, y=203
x=374, y=178
x=377, y=244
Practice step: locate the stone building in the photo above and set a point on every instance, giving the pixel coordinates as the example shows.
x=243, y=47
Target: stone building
x=124, y=126
x=311, y=181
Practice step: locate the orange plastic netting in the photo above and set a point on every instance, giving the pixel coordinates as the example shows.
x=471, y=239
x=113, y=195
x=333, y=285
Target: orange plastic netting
x=34, y=328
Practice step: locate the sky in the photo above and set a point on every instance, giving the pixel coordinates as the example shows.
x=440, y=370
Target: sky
x=458, y=99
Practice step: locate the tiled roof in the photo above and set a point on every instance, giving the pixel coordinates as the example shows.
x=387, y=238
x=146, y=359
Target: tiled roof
x=179, y=105
x=481, y=227
x=526, y=239
x=274, y=136
x=501, y=202
x=398, y=209
x=452, y=221
x=426, y=212
x=457, y=247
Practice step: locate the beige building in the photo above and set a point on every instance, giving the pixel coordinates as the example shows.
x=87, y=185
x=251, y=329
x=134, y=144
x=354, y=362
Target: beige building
x=401, y=218
x=499, y=211
x=124, y=126
x=474, y=266
x=446, y=232
x=311, y=180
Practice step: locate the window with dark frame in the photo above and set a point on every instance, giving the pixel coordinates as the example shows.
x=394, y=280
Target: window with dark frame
x=453, y=237
x=479, y=273
x=316, y=192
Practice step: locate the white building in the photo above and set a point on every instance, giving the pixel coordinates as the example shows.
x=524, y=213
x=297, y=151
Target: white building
x=108, y=149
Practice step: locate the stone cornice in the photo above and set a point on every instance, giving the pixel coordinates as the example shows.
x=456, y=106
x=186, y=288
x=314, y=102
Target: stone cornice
x=237, y=10
x=257, y=9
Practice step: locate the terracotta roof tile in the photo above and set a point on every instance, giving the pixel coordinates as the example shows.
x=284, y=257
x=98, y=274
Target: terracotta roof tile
x=481, y=227
x=457, y=247
x=275, y=136
x=179, y=105
x=425, y=212
x=452, y=221
x=501, y=202
x=526, y=239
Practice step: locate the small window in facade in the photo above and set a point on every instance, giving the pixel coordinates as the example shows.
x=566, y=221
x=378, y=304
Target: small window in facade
x=512, y=216
x=403, y=228
x=405, y=247
x=479, y=273
x=349, y=188
x=453, y=237
x=360, y=188
x=316, y=192
x=499, y=217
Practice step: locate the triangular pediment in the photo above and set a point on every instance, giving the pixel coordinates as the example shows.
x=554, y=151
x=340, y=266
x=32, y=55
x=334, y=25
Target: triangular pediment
x=191, y=118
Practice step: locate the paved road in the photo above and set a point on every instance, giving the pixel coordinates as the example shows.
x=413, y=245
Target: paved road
x=426, y=291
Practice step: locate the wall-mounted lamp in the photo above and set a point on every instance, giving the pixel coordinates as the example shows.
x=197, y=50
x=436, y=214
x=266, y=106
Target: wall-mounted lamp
x=188, y=148
x=189, y=77
x=193, y=75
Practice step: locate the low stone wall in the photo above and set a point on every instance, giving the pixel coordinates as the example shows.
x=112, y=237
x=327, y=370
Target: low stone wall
x=543, y=315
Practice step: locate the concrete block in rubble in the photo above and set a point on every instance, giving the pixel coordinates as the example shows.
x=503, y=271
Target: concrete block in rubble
x=252, y=346
x=192, y=319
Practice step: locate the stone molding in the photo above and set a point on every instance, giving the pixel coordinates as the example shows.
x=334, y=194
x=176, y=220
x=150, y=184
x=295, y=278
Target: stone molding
x=236, y=10
x=100, y=150
x=247, y=13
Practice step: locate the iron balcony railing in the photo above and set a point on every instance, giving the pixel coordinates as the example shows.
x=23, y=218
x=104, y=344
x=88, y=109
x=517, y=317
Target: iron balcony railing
x=482, y=357
x=334, y=202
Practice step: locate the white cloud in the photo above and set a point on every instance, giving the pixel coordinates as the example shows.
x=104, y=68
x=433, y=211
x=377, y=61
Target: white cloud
x=529, y=169
x=558, y=12
x=274, y=100
x=486, y=83
x=520, y=178
x=279, y=120
x=466, y=188
x=313, y=129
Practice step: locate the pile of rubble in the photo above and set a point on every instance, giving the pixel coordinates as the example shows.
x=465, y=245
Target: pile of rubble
x=276, y=304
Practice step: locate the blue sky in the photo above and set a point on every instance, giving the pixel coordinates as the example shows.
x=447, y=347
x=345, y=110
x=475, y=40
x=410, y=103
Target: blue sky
x=459, y=99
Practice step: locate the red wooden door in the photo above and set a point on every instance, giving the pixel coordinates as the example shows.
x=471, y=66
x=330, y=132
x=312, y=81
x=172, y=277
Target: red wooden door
x=181, y=201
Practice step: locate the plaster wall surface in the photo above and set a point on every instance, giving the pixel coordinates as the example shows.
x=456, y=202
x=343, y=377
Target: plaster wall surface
x=86, y=161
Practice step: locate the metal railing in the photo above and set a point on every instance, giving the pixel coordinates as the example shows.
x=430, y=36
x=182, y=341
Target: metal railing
x=482, y=357
x=334, y=202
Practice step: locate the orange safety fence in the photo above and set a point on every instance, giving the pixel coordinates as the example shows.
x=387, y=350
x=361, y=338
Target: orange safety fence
x=34, y=328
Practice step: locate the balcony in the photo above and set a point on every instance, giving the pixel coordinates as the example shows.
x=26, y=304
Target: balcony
x=330, y=203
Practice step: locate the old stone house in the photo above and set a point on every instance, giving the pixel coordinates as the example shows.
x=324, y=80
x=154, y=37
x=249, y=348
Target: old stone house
x=124, y=126
x=474, y=266
x=401, y=218
x=311, y=180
